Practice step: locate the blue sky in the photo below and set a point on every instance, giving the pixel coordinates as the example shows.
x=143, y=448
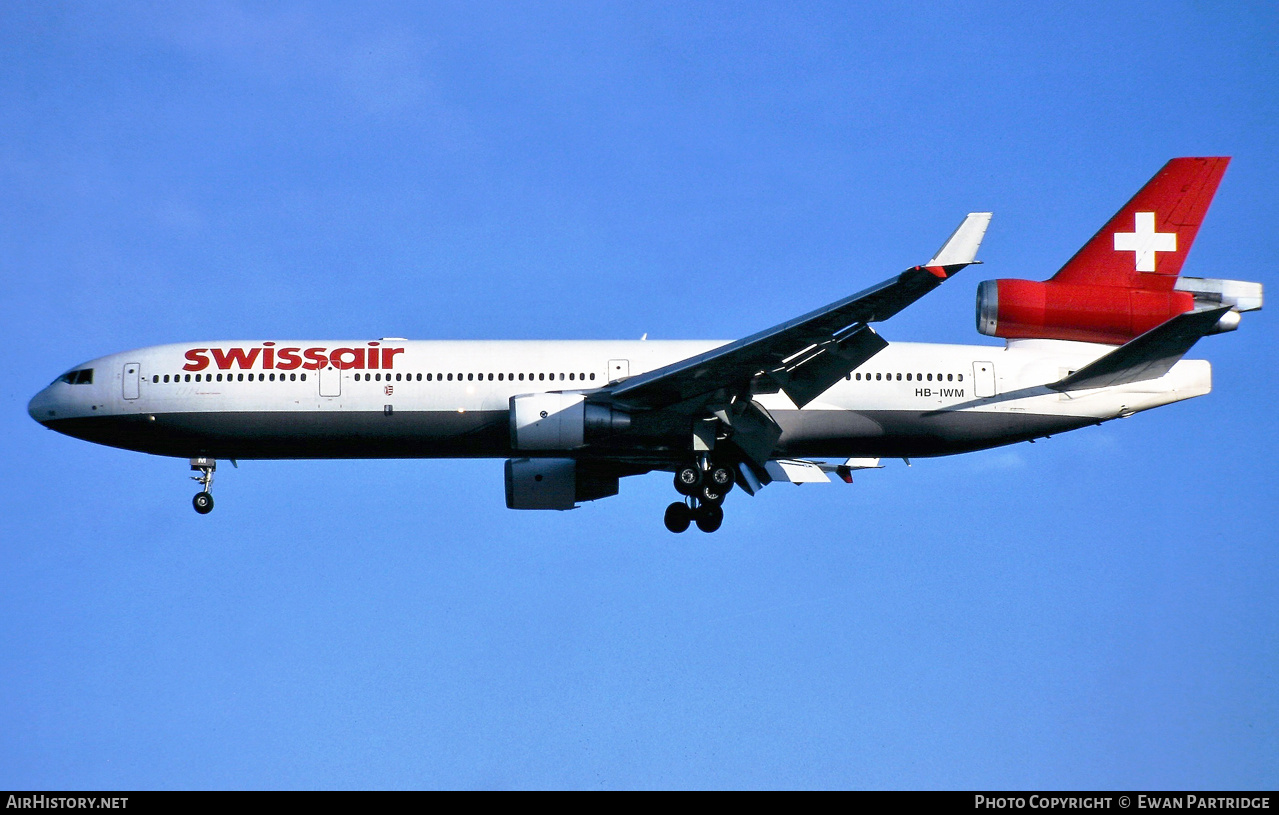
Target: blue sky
x=1098, y=610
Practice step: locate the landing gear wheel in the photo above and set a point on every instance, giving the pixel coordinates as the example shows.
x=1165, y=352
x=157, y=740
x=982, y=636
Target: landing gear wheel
x=203, y=502
x=721, y=478
x=711, y=495
x=709, y=517
x=687, y=479
x=678, y=517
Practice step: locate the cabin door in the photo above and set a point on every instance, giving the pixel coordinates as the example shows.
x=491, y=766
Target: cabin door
x=618, y=369
x=983, y=379
x=130, y=381
x=330, y=381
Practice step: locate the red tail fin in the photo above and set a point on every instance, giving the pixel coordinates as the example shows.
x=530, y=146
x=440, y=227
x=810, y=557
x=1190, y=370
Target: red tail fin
x=1145, y=244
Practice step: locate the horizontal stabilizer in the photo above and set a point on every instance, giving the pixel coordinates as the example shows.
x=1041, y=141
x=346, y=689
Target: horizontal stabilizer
x=1149, y=356
x=960, y=249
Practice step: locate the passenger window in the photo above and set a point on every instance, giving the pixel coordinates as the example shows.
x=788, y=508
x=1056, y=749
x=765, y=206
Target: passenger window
x=155, y=380
x=950, y=377
x=166, y=378
x=303, y=377
x=592, y=377
x=899, y=377
x=879, y=376
x=570, y=377
x=561, y=377
x=961, y=377
x=907, y=377
x=541, y=377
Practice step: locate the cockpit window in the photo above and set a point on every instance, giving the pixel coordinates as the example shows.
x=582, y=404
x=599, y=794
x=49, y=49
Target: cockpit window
x=81, y=377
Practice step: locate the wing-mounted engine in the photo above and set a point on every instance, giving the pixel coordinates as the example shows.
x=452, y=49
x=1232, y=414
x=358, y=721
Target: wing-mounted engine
x=562, y=421
x=556, y=483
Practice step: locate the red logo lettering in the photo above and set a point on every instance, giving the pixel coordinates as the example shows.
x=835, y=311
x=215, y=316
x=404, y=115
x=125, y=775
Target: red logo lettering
x=317, y=357
x=288, y=359
x=242, y=360
x=356, y=358
x=197, y=361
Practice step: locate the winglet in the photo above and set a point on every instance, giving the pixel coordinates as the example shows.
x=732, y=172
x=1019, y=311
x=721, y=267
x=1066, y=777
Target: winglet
x=960, y=249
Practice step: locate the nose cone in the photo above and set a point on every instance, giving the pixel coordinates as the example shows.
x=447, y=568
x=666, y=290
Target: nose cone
x=42, y=407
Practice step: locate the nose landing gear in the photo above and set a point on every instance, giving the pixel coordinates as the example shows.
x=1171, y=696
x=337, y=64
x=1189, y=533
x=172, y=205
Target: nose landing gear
x=203, y=500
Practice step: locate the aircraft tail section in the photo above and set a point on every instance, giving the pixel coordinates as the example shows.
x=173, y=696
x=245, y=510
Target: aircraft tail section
x=1126, y=280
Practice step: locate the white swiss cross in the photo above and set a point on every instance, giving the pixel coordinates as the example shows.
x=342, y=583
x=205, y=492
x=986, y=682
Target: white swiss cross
x=1145, y=241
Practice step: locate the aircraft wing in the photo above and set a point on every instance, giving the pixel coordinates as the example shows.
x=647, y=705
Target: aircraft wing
x=808, y=354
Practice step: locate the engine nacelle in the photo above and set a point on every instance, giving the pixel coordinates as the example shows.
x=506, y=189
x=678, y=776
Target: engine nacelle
x=1026, y=309
x=561, y=421
x=555, y=483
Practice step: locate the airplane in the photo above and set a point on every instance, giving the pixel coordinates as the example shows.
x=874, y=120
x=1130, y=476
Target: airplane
x=1100, y=340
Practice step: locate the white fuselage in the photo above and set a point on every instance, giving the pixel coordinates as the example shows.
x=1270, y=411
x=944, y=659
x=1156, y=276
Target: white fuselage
x=393, y=398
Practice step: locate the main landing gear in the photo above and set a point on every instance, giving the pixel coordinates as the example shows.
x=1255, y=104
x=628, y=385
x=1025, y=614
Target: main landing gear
x=203, y=500
x=704, y=485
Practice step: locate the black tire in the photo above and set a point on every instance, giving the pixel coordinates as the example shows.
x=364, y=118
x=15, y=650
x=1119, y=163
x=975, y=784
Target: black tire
x=711, y=495
x=709, y=517
x=203, y=502
x=678, y=517
x=721, y=478
x=687, y=479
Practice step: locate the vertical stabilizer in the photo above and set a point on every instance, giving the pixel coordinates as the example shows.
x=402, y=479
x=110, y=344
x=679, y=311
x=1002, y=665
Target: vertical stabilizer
x=1145, y=244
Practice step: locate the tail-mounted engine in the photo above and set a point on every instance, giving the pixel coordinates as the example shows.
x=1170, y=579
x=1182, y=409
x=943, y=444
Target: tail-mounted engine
x=561, y=421
x=1053, y=310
